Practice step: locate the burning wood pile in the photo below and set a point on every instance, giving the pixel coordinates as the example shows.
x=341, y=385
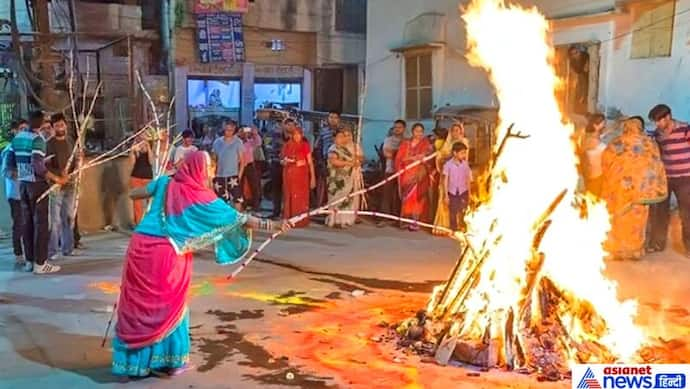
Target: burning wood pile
x=528, y=291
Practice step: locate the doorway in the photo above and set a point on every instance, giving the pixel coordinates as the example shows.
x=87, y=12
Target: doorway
x=577, y=65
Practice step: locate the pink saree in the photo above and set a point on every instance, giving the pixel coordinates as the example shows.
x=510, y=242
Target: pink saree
x=155, y=282
x=185, y=215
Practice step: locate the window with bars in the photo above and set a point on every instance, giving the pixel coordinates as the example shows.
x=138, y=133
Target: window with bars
x=351, y=16
x=418, y=89
x=653, y=29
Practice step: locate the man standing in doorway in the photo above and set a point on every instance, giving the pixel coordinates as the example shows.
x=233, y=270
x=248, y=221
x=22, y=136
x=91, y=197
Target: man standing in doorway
x=673, y=138
x=29, y=153
x=227, y=152
x=59, y=150
x=323, y=142
x=579, y=65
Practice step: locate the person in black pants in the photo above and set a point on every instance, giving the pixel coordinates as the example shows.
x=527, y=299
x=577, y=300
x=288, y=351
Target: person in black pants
x=274, y=156
x=12, y=195
x=77, y=235
x=17, y=229
x=28, y=160
x=673, y=138
x=276, y=189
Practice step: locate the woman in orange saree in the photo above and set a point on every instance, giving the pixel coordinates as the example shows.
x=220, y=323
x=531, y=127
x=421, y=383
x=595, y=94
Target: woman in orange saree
x=298, y=176
x=633, y=178
x=415, y=183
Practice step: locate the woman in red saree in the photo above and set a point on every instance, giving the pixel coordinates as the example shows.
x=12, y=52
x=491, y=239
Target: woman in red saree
x=152, y=330
x=414, y=183
x=298, y=176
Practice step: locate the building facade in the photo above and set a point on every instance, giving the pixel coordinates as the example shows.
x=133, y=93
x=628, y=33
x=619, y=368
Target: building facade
x=299, y=53
x=630, y=55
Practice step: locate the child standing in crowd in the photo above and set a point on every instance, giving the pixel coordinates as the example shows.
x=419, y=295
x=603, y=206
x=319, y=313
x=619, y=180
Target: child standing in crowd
x=185, y=148
x=457, y=177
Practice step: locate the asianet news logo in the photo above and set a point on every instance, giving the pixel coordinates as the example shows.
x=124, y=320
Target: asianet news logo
x=630, y=376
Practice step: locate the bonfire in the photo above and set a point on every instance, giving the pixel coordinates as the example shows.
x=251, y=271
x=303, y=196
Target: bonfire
x=528, y=291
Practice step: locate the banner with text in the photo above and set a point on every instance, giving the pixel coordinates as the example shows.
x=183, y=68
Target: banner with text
x=220, y=37
x=212, y=6
x=618, y=376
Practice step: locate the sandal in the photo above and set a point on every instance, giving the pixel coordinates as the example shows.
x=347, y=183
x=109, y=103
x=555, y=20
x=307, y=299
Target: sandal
x=180, y=370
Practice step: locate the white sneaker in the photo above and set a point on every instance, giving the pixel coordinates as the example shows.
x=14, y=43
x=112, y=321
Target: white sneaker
x=47, y=268
x=28, y=267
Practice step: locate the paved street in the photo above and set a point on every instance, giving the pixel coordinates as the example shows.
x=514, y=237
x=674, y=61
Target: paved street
x=290, y=320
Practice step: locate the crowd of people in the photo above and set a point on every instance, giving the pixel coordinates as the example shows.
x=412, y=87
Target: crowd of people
x=40, y=155
x=635, y=174
x=202, y=199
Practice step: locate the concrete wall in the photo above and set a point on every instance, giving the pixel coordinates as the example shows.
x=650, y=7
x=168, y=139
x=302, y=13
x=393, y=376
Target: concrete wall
x=103, y=198
x=635, y=85
x=454, y=80
x=307, y=27
x=314, y=16
x=631, y=85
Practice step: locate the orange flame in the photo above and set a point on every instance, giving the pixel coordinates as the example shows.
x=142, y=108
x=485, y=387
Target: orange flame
x=510, y=43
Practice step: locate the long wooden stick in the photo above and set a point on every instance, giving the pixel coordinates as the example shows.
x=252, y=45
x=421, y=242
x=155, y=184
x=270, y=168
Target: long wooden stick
x=276, y=234
x=81, y=140
x=100, y=157
x=325, y=208
x=316, y=211
x=107, y=328
x=358, y=172
x=168, y=154
x=157, y=148
x=163, y=162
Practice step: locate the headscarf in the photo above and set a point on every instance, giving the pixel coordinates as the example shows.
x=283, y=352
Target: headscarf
x=195, y=217
x=446, y=150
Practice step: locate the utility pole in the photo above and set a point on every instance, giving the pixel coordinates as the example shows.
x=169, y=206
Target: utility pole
x=167, y=56
x=45, y=57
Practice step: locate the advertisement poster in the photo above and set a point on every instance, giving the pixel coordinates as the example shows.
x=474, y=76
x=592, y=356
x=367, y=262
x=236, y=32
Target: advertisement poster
x=220, y=37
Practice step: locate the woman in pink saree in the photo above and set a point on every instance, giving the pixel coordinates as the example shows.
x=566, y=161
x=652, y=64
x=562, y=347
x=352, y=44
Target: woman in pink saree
x=415, y=184
x=152, y=330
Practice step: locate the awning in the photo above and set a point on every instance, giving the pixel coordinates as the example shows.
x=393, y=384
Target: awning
x=418, y=46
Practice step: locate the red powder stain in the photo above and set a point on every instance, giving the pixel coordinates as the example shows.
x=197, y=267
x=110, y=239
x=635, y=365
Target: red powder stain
x=342, y=342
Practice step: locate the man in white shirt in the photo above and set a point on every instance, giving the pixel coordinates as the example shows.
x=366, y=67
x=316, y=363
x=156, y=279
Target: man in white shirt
x=185, y=148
